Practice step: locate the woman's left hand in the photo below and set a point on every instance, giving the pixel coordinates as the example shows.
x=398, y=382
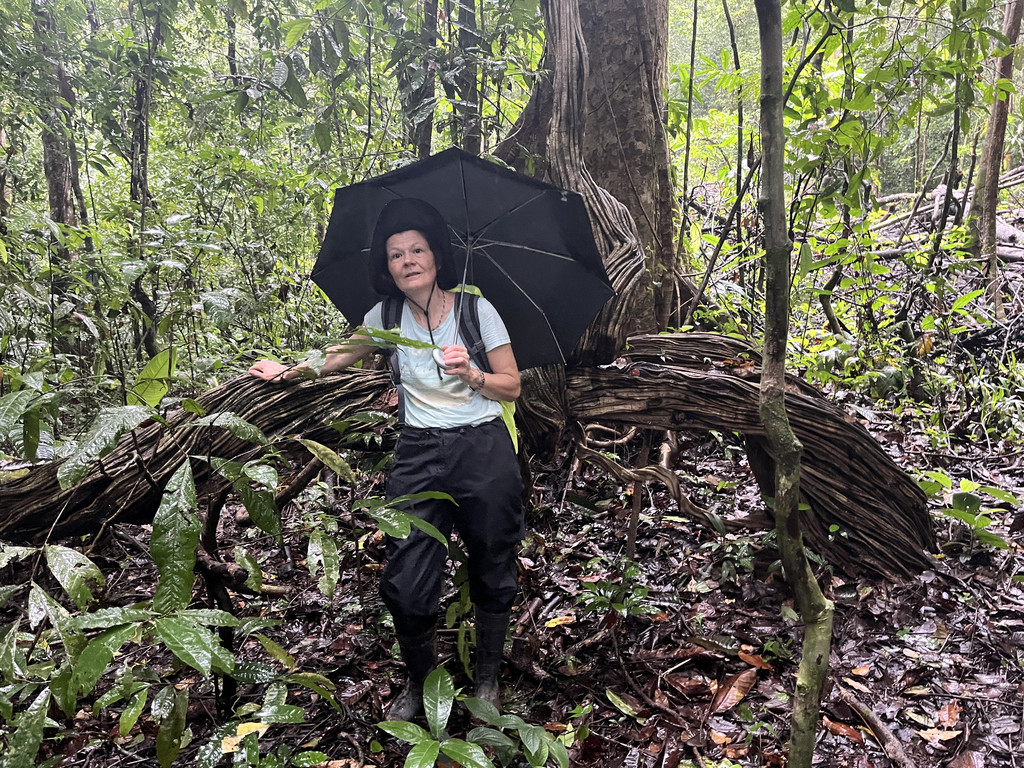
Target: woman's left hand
x=457, y=363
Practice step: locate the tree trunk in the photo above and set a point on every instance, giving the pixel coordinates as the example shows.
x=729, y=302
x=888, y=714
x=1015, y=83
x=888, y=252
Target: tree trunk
x=419, y=102
x=986, y=194
x=469, y=88
x=782, y=443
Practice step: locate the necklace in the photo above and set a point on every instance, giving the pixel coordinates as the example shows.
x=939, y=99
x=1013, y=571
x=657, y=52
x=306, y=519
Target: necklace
x=426, y=314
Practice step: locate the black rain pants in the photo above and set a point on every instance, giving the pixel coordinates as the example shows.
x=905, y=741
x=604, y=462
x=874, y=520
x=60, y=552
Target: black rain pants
x=477, y=467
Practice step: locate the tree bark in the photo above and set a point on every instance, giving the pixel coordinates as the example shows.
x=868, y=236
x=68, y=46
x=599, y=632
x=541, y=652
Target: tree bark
x=859, y=509
x=783, y=445
x=986, y=194
x=418, y=104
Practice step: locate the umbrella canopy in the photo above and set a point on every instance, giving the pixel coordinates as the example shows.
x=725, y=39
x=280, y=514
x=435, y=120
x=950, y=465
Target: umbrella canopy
x=526, y=245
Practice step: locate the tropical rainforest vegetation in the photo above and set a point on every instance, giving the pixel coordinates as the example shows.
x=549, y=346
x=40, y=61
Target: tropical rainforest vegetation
x=166, y=176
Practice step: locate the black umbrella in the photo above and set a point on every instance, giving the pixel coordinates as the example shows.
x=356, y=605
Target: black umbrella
x=526, y=245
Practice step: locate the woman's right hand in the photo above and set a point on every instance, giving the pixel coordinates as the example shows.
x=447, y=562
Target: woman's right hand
x=269, y=370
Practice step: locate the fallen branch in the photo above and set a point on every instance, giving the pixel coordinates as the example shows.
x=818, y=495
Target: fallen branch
x=890, y=744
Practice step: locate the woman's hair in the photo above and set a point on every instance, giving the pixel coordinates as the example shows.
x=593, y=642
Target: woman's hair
x=403, y=215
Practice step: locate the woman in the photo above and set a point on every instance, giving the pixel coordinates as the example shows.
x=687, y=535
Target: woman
x=453, y=440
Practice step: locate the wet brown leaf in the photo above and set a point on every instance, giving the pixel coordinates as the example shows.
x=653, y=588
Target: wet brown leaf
x=842, y=729
x=754, y=660
x=968, y=760
x=732, y=690
x=949, y=715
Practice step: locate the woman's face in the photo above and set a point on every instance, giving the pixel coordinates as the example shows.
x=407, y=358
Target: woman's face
x=410, y=261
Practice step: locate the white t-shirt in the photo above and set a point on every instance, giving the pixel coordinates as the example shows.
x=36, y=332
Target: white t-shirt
x=445, y=401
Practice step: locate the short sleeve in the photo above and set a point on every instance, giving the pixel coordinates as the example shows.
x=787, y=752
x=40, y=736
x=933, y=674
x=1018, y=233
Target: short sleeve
x=492, y=329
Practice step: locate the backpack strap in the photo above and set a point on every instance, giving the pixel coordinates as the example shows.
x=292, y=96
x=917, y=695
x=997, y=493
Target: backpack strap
x=391, y=318
x=469, y=329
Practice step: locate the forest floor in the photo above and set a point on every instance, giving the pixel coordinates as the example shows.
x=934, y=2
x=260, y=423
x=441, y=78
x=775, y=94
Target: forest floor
x=688, y=659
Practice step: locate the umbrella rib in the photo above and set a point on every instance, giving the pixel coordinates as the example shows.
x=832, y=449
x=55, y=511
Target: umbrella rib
x=529, y=298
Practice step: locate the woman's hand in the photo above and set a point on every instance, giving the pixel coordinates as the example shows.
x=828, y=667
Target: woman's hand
x=269, y=370
x=457, y=363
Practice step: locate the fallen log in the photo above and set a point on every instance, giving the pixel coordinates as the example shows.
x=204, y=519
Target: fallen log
x=676, y=382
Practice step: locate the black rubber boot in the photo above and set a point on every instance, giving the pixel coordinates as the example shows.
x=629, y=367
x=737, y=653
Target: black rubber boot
x=420, y=656
x=490, y=643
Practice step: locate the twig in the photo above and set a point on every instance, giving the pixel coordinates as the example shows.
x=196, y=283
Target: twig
x=890, y=744
x=673, y=715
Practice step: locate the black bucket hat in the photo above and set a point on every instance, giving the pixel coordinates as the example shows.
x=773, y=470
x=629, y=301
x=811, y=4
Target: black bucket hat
x=402, y=215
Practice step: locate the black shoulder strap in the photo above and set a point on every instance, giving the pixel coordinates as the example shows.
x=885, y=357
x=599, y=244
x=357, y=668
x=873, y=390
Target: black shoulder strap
x=469, y=329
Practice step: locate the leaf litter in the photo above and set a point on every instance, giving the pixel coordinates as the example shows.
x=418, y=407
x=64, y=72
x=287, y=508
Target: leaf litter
x=687, y=657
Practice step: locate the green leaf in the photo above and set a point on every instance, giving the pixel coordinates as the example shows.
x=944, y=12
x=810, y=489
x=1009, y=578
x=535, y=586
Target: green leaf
x=254, y=672
x=281, y=713
x=331, y=459
x=966, y=299
x=13, y=406
x=294, y=30
x=151, y=383
x=279, y=654
x=323, y=553
x=105, y=618
x=76, y=573
x=261, y=507
x=535, y=743
x=106, y=430
x=176, y=529
x=423, y=755
x=483, y=710
x=10, y=553
x=168, y=738
x=466, y=754
x=255, y=579
x=490, y=737
x=210, y=617
x=294, y=89
x=438, y=695
x=190, y=643
x=132, y=712
x=41, y=606
x=407, y=732
x=23, y=746
x=96, y=657
x=309, y=759
x=234, y=424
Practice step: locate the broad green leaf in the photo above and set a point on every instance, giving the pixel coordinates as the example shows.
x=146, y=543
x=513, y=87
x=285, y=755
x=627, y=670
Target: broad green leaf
x=96, y=657
x=192, y=644
x=966, y=299
x=261, y=508
x=210, y=617
x=8, y=591
x=168, y=738
x=151, y=383
x=13, y=406
x=317, y=683
x=10, y=554
x=254, y=581
x=276, y=652
x=438, y=695
x=490, y=737
x=323, y=553
x=111, y=617
x=331, y=459
x=42, y=606
x=75, y=572
x=106, y=430
x=309, y=759
x=294, y=89
x=10, y=664
x=261, y=473
x=23, y=746
x=423, y=755
x=410, y=733
x=176, y=529
x=466, y=754
x=132, y=712
x=210, y=753
x=560, y=753
x=234, y=424
x=294, y=30
x=483, y=710
x=535, y=743
x=281, y=713
x=254, y=672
